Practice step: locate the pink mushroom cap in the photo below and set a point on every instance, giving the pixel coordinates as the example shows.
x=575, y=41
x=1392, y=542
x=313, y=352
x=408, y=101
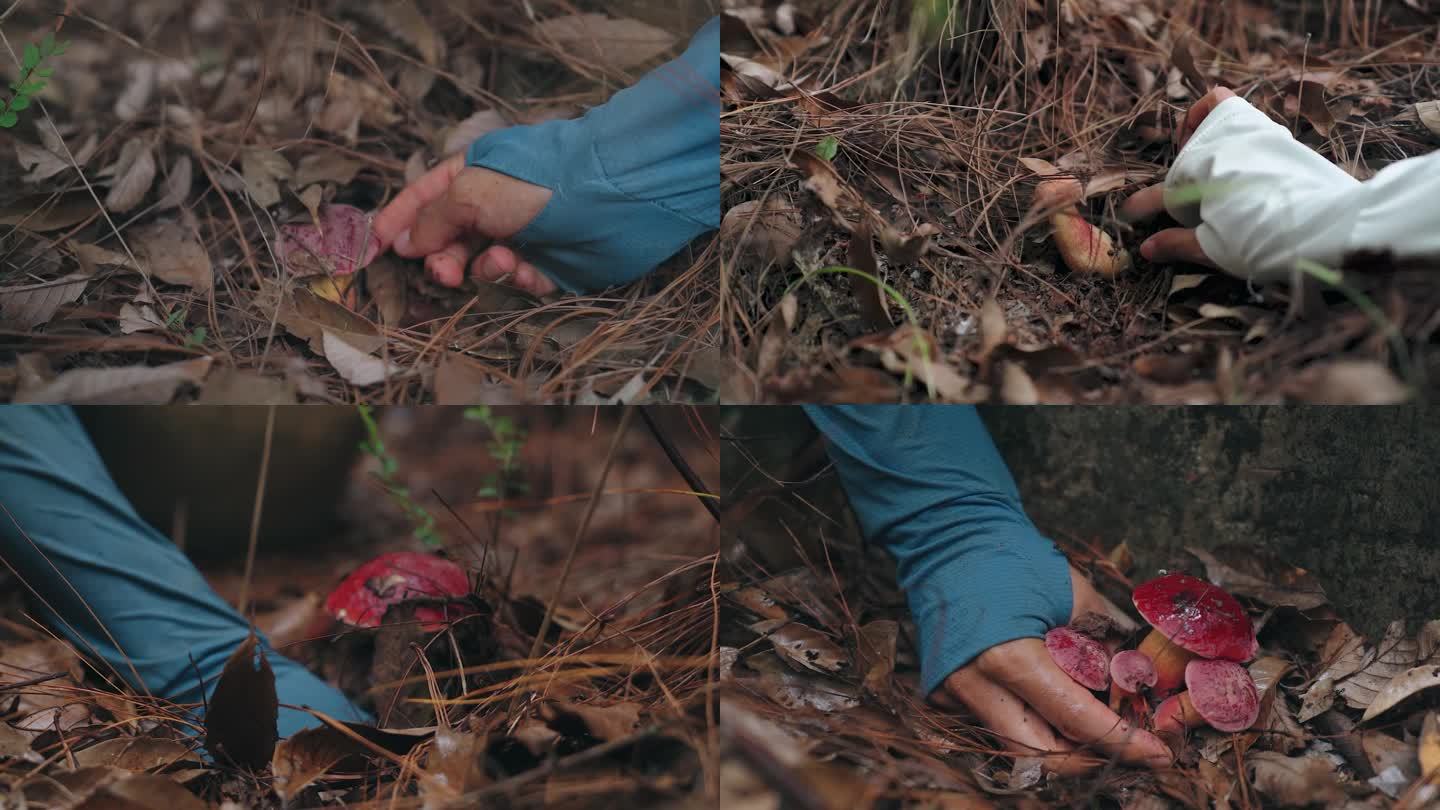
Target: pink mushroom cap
x=1223, y=693
x=1083, y=658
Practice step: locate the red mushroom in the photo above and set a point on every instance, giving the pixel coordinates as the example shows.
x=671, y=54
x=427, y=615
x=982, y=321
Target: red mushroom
x=1131, y=672
x=1191, y=618
x=1220, y=694
x=1083, y=658
x=401, y=576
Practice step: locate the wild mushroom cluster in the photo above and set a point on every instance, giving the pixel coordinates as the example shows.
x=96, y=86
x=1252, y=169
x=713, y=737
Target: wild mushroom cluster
x=1186, y=673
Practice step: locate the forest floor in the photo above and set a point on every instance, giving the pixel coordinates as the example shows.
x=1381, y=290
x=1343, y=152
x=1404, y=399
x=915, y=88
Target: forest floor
x=821, y=707
x=851, y=140
x=611, y=706
x=180, y=137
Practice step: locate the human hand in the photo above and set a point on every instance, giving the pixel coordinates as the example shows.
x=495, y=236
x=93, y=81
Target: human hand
x=1173, y=244
x=1021, y=696
x=449, y=215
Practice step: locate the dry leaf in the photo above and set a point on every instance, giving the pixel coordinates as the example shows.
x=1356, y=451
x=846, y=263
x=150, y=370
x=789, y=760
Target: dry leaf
x=126, y=385
x=875, y=654
x=1016, y=387
x=31, y=305
x=758, y=601
x=357, y=367
x=177, y=185
x=169, y=252
x=326, y=166
x=233, y=386
x=385, y=281
x=308, y=316
x=406, y=22
x=769, y=230
x=41, y=163
x=1293, y=781
x=794, y=691
x=1184, y=60
x=1385, y=752
x=1310, y=101
x=613, y=722
x=821, y=178
x=1347, y=382
x=455, y=766
x=139, y=319
x=240, y=722
x=907, y=248
x=40, y=708
x=613, y=44
x=1395, y=653
x=49, y=212
x=1044, y=168
x=457, y=138
x=1244, y=571
x=1429, y=748
x=349, y=102
x=1402, y=686
x=136, y=753
x=808, y=648
x=993, y=329
x=913, y=352
x=307, y=755
x=262, y=169
x=1424, y=113
x=865, y=288
x=132, y=175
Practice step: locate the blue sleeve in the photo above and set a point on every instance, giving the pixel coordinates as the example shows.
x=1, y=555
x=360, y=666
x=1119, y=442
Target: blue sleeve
x=120, y=591
x=927, y=483
x=634, y=180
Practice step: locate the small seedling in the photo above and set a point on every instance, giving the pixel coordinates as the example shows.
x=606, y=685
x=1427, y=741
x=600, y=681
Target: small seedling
x=388, y=476
x=32, y=78
x=828, y=148
x=507, y=440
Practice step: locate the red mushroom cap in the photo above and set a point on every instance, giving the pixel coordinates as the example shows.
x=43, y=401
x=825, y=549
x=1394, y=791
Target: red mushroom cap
x=1083, y=658
x=363, y=597
x=1132, y=669
x=1197, y=616
x=1223, y=693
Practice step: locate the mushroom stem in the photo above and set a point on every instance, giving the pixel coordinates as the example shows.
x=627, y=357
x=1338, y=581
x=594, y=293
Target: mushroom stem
x=1169, y=659
x=1084, y=247
x=1176, y=714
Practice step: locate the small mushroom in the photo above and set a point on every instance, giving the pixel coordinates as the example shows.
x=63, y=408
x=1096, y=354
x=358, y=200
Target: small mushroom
x=1083, y=658
x=1131, y=672
x=1191, y=619
x=1220, y=694
x=362, y=598
x=1084, y=247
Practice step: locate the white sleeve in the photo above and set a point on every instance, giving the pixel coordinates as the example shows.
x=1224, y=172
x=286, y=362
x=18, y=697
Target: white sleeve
x=1267, y=199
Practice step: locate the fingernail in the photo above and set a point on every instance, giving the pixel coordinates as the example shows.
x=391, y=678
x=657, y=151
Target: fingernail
x=402, y=242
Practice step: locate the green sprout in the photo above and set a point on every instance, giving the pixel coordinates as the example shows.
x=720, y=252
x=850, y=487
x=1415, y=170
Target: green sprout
x=828, y=148
x=32, y=78
x=507, y=439
x=389, y=478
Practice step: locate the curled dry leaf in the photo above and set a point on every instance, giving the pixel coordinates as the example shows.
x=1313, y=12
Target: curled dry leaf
x=1405, y=684
x=350, y=102
x=1395, y=654
x=139, y=319
x=875, y=654
x=454, y=766
x=262, y=170
x=307, y=755
x=795, y=691
x=126, y=385
x=808, y=648
x=132, y=175
x=177, y=185
x=866, y=288
x=406, y=21
x=355, y=366
x=137, y=753
x=240, y=725
x=914, y=353
x=1347, y=382
x=613, y=44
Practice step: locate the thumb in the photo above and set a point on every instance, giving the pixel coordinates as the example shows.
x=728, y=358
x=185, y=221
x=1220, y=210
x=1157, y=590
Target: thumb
x=438, y=224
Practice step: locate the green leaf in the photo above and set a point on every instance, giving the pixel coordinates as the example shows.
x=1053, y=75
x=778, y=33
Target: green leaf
x=32, y=88
x=32, y=56
x=47, y=45
x=44, y=73
x=20, y=102
x=828, y=148
x=8, y=119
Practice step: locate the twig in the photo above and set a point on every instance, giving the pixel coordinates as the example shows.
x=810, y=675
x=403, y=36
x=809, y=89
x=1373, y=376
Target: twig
x=31, y=681
x=244, y=602
x=683, y=466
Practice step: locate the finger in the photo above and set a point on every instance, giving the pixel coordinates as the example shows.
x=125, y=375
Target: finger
x=1144, y=204
x=1200, y=110
x=501, y=264
x=438, y=224
x=1024, y=667
x=447, y=265
x=1175, y=245
x=399, y=216
x=1020, y=728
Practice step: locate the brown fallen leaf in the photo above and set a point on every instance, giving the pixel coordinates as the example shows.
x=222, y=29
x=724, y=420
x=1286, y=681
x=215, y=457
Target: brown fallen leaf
x=1395, y=654
x=866, y=289
x=808, y=648
x=406, y=21
x=1293, y=781
x=1309, y=100
x=106, y=788
x=46, y=705
x=792, y=690
x=356, y=366
x=759, y=602
x=131, y=175
x=233, y=386
x=1385, y=752
x=875, y=654
x=308, y=755
x=822, y=180
x=1429, y=748
x=769, y=230
x=125, y=385
x=31, y=305
x=1404, y=685
x=263, y=169
x=1347, y=382
x=137, y=753
x=350, y=102
x=912, y=352
x=1285, y=735
x=612, y=44
x=1183, y=59
x=240, y=725
x=613, y=722
x=1245, y=571
x=49, y=212
x=454, y=766
x=327, y=166
x=169, y=252
x=177, y=185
